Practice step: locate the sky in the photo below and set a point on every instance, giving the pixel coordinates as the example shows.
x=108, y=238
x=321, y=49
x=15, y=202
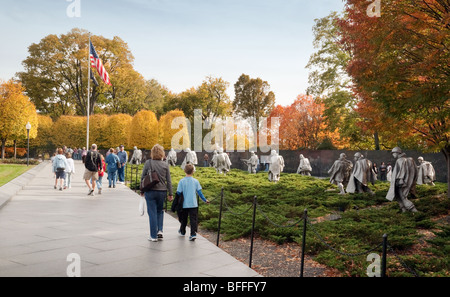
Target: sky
x=181, y=42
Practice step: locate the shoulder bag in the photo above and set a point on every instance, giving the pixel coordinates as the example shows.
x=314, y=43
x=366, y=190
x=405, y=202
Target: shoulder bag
x=150, y=180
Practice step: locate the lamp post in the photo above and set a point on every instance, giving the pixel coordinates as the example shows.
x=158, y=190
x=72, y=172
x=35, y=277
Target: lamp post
x=28, y=126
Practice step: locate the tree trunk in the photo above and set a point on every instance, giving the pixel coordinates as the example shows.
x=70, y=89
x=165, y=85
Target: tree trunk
x=446, y=152
x=377, y=141
x=3, y=148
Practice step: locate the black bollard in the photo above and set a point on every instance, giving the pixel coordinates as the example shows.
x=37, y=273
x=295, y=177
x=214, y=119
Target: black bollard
x=302, y=266
x=220, y=217
x=253, y=232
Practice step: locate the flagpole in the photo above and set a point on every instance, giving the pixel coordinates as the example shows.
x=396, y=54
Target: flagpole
x=88, y=95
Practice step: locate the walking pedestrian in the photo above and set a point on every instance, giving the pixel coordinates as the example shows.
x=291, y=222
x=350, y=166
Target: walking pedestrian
x=112, y=162
x=190, y=188
x=383, y=171
x=92, y=163
x=123, y=157
x=375, y=170
x=389, y=172
x=70, y=171
x=83, y=154
x=101, y=173
x=156, y=196
x=59, y=167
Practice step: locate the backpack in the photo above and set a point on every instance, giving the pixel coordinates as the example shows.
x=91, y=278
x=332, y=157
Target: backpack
x=60, y=164
x=91, y=161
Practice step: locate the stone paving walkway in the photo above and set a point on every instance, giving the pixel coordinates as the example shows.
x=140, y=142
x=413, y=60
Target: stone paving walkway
x=40, y=227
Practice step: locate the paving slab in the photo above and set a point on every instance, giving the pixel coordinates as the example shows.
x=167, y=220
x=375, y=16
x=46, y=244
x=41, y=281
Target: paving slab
x=40, y=227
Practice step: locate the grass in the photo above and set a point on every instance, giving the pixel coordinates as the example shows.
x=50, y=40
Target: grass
x=9, y=172
x=363, y=219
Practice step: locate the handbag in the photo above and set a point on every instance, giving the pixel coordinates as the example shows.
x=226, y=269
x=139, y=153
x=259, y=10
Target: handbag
x=150, y=180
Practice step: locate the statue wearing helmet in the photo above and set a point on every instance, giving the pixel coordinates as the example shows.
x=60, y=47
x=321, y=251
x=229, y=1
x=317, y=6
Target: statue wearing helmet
x=361, y=176
x=403, y=180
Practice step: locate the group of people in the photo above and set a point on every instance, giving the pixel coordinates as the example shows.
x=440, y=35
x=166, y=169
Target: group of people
x=95, y=167
x=76, y=153
x=63, y=168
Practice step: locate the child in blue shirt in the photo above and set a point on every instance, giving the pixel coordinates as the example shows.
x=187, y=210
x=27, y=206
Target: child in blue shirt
x=189, y=187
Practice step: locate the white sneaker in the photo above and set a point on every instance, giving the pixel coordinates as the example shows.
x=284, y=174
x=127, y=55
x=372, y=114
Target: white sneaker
x=152, y=239
x=160, y=235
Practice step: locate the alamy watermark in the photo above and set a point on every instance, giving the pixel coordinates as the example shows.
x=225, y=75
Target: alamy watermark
x=374, y=269
x=374, y=9
x=74, y=268
x=231, y=133
x=74, y=9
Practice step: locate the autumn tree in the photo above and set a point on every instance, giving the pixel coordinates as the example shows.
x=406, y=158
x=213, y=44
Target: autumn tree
x=16, y=110
x=330, y=83
x=302, y=125
x=399, y=65
x=44, y=136
x=117, y=131
x=98, y=133
x=144, y=130
x=69, y=131
x=166, y=132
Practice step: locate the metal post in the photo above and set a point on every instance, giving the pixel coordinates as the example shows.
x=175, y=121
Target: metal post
x=305, y=218
x=126, y=175
x=28, y=147
x=220, y=217
x=131, y=178
x=253, y=232
x=137, y=173
x=383, y=260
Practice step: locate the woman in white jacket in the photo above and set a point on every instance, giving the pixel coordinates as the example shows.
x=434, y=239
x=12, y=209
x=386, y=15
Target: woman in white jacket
x=70, y=170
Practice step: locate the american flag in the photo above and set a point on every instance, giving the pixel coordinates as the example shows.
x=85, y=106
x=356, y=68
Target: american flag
x=96, y=62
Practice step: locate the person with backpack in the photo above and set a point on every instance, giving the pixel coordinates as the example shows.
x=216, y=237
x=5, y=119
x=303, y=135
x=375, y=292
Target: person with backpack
x=92, y=164
x=59, y=167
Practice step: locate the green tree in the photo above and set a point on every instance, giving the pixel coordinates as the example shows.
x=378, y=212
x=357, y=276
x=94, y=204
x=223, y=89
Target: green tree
x=253, y=98
x=56, y=74
x=330, y=83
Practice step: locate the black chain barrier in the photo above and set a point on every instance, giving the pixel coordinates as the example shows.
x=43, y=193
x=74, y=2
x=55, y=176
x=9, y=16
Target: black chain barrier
x=306, y=222
x=412, y=271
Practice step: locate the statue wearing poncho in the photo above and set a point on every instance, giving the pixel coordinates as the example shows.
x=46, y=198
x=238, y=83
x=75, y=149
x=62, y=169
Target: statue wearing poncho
x=403, y=180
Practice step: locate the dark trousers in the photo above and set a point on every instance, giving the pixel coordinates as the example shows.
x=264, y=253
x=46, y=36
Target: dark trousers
x=192, y=213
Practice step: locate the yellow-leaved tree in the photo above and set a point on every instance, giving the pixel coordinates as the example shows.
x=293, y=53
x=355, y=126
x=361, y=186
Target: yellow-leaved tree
x=44, y=132
x=97, y=127
x=144, y=130
x=70, y=131
x=117, y=130
x=166, y=132
x=16, y=110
